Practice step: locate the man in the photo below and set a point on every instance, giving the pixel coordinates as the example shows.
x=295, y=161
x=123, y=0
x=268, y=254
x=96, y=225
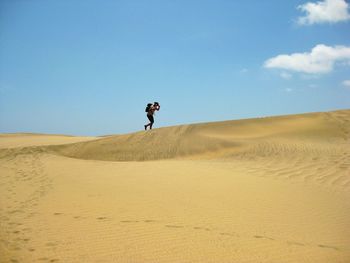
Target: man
x=151, y=108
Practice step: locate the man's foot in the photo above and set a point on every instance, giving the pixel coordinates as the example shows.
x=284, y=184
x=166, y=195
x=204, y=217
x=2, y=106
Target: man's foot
x=145, y=127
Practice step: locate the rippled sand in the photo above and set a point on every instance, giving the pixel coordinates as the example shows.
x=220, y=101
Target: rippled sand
x=260, y=190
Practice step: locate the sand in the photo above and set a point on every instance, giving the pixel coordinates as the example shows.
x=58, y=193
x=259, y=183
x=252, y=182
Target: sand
x=268, y=190
x=14, y=140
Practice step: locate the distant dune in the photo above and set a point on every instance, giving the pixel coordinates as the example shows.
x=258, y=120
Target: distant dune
x=272, y=189
x=14, y=140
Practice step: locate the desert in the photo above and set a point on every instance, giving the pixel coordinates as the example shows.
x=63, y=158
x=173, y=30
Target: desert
x=273, y=189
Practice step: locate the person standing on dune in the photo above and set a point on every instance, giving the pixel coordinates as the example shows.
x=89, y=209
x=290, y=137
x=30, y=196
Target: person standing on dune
x=150, y=109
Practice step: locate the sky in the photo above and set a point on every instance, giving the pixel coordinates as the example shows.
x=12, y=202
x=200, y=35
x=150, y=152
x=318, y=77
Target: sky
x=89, y=67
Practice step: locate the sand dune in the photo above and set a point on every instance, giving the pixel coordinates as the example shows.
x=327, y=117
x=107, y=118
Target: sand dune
x=217, y=140
x=259, y=190
x=14, y=140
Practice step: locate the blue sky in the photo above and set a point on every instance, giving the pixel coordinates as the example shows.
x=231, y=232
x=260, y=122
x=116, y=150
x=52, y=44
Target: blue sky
x=90, y=67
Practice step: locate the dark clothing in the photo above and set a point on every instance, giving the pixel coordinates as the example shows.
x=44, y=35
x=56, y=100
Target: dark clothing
x=150, y=114
x=150, y=117
x=152, y=109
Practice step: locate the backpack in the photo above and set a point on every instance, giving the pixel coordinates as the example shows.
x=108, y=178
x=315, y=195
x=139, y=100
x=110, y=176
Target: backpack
x=148, y=107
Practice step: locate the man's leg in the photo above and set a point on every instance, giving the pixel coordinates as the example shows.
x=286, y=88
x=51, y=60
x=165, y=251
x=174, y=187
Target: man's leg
x=152, y=121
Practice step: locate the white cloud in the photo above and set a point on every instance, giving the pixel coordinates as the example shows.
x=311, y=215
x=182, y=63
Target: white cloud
x=289, y=90
x=286, y=75
x=326, y=11
x=320, y=60
x=243, y=70
x=346, y=83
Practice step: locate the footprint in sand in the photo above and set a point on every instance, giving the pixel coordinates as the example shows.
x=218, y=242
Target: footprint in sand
x=229, y=234
x=16, y=211
x=330, y=247
x=174, y=226
x=57, y=214
x=270, y=238
x=295, y=243
x=51, y=244
x=201, y=228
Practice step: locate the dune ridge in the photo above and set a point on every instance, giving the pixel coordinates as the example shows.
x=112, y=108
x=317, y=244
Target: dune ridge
x=217, y=139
